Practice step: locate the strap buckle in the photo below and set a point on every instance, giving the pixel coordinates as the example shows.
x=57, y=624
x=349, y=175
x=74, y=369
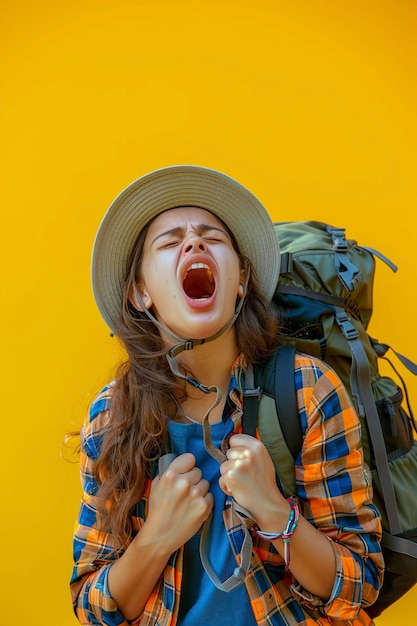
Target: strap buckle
x=346, y=326
x=348, y=273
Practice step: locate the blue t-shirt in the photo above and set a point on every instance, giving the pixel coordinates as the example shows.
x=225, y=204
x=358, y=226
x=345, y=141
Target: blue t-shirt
x=201, y=602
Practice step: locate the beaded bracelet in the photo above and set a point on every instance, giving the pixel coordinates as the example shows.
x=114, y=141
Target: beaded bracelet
x=287, y=533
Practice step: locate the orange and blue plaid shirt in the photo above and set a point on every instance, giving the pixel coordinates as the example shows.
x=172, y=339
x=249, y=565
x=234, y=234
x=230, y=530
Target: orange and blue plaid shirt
x=334, y=492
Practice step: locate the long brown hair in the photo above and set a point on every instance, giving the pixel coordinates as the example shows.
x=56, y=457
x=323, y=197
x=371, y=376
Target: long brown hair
x=143, y=397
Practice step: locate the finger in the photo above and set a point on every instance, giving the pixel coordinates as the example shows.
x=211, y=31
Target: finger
x=231, y=465
x=238, y=453
x=226, y=467
x=245, y=441
x=183, y=463
x=194, y=476
x=224, y=486
x=209, y=502
x=201, y=491
x=204, y=487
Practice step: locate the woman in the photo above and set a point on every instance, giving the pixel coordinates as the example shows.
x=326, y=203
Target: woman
x=184, y=267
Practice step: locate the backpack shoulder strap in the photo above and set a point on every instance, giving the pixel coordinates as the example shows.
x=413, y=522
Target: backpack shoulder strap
x=260, y=411
x=286, y=398
x=250, y=403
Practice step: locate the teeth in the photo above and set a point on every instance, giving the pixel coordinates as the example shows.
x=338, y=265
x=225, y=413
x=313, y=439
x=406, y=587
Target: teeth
x=199, y=266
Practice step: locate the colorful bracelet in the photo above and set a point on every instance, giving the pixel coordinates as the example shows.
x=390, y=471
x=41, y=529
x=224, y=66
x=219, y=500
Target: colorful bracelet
x=287, y=533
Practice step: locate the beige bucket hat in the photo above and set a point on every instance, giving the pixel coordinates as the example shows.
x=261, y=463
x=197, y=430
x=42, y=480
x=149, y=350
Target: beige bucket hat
x=168, y=188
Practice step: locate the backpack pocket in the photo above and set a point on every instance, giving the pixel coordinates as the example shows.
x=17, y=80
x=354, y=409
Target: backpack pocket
x=395, y=422
x=400, y=560
x=403, y=470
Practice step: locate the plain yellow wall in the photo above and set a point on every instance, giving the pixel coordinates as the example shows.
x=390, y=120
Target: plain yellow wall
x=311, y=104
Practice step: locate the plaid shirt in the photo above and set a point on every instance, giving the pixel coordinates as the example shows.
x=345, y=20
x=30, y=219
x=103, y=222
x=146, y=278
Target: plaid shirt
x=334, y=492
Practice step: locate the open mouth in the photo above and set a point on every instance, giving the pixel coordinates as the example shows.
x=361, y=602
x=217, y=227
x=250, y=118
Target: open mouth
x=198, y=283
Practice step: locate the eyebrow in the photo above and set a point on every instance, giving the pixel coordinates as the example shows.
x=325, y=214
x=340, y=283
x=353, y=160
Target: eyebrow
x=200, y=228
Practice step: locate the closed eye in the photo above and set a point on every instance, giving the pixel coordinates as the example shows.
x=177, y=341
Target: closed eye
x=214, y=235
x=169, y=244
x=213, y=239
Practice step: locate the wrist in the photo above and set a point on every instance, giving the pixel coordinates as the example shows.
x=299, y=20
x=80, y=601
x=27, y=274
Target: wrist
x=284, y=535
x=155, y=542
x=273, y=516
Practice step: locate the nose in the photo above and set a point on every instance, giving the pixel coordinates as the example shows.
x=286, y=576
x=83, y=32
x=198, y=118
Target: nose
x=194, y=243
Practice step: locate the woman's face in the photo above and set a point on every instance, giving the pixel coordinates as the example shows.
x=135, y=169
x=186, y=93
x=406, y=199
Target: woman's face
x=190, y=273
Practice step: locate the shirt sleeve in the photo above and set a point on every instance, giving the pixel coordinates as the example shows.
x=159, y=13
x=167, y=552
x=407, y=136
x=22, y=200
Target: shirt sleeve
x=93, y=550
x=335, y=490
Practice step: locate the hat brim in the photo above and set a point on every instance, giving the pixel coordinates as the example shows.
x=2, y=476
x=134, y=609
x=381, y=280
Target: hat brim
x=168, y=188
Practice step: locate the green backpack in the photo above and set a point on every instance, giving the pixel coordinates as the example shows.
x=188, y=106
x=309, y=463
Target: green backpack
x=324, y=296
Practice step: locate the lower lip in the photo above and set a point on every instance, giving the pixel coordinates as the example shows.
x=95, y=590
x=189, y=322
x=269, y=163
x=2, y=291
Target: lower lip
x=200, y=304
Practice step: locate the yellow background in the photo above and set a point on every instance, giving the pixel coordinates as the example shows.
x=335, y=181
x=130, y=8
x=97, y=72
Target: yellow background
x=311, y=104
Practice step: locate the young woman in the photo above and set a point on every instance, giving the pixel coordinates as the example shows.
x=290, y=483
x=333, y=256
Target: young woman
x=184, y=267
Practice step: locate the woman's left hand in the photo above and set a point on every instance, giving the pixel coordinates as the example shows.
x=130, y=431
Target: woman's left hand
x=248, y=475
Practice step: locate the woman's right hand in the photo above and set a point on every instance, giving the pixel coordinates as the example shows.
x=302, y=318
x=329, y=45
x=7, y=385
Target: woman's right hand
x=179, y=502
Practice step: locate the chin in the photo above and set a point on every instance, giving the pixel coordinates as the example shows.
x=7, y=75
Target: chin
x=201, y=330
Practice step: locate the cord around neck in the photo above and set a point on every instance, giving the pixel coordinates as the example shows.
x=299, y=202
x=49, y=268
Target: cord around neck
x=189, y=344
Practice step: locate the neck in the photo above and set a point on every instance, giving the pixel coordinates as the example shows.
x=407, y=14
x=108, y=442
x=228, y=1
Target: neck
x=211, y=364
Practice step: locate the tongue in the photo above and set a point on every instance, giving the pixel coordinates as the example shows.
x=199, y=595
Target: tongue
x=198, y=284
